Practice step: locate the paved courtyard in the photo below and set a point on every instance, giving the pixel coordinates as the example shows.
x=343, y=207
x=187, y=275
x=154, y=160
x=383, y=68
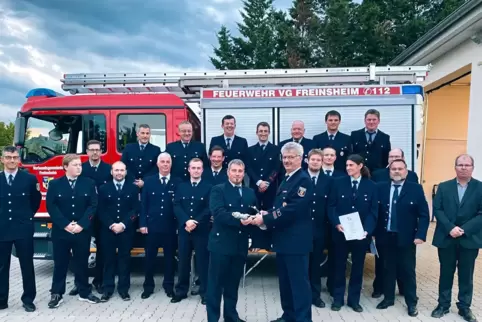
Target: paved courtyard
x=258, y=301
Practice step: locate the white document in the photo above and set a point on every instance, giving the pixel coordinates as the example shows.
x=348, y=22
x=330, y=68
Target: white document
x=352, y=226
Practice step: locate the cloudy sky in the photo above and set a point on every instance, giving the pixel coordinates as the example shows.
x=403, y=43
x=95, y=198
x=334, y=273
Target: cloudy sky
x=42, y=39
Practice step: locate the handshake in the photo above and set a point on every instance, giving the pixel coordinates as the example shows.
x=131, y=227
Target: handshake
x=247, y=219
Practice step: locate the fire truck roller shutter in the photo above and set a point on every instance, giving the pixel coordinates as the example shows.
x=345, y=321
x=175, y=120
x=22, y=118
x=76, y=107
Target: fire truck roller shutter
x=395, y=120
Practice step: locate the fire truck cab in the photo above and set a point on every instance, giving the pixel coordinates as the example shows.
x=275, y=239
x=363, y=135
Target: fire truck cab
x=109, y=107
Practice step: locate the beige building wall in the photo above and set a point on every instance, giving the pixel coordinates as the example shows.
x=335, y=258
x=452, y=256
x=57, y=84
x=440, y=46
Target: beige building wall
x=446, y=133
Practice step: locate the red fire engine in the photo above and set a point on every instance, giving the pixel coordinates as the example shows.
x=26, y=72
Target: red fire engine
x=108, y=107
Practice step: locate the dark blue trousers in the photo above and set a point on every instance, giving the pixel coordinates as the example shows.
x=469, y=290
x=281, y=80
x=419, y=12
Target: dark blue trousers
x=79, y=244
x=168, y=243
x=197, y=240
x=24, y=251
x=294, y=286
x=342, y=248
x=224, y=275
x=117, y=253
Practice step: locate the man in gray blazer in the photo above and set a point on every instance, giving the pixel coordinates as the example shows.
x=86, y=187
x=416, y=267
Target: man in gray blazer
x=458, y=236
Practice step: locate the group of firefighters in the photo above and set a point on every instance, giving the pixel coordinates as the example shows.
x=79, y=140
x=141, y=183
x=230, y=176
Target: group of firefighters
x=284, y=198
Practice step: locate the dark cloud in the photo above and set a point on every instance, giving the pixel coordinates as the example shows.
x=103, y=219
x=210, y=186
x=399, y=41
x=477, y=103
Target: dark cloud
x=42, y=39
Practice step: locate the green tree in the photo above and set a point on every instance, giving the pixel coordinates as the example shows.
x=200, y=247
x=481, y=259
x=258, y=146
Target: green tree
x=6, y=136
x=257, y=45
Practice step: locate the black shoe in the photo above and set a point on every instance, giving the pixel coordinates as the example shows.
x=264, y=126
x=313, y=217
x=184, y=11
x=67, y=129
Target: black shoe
x=55, y=301
x=467, y=315
x=385, y=305
x=106, y=297
x=376, y=295
x=412, y=311
x=74, y=291
x=439, y=311
x=336, y=307
x=169, y=293
x=357, y=308
x=91, y=298
x=318, y=303
x=146, y=295
x=3, y=306
x=29, y=307
x=178, y=298
x=125, y=296
x=203, y=300
x=279, y=320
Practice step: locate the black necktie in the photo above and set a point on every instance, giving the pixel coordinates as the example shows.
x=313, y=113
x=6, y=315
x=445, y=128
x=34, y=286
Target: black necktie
x=240, y=189
x=263, y=146
x=393, y=211
x=10, y=179
x=328, y=173
x=194, y=184
x=314, y=180
x=72, y=183
x=185, y=145
x=332, y=137
x=296, y=140
x=142, y=147
x=119, y=186
x=370, y=137
x=163, y=180
x=215, y=173
x=228, y=143
x=354, y=188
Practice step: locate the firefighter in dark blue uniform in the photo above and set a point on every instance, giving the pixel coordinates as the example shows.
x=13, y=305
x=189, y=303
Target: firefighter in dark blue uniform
x=215, y=174
x=184, y=150
x=71, y=204
x=318, y=209
x=235, y=147
x=383, y=175
x=228, y=243
x=140, y=158
x=371, y=143
x=158, y=223
x=292, y=231
x=263, y=171
x=349, y=194
x=99, y=171
x=297, y=135
x=118, y=211
x=402, y=225
x=191, y=207
x=19, y=201
x=335, y=139
x=328, y=167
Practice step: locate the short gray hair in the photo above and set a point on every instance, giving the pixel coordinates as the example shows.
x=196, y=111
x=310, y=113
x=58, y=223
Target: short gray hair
x=236, y=162
x=163, y=154
x=293, y=146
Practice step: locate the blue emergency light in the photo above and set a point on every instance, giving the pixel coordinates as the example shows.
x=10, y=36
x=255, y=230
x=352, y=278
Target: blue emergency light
x=42, y=92
x=412, y=89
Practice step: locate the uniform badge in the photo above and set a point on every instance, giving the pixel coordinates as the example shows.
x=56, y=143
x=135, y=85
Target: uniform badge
x=301, y=191
x=38, y=186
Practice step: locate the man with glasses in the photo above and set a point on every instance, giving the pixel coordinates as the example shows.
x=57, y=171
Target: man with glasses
x=184, y=150
x=458, y=236
x=19, y=201
x=99, y=171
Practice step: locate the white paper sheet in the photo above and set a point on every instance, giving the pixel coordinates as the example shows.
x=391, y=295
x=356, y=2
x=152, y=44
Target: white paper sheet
x=352, y=226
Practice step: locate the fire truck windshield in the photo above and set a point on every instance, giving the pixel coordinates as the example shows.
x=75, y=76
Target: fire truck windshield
x=47, y=136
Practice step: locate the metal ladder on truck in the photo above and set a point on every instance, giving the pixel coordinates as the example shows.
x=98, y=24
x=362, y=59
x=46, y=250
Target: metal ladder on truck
x=188, y=86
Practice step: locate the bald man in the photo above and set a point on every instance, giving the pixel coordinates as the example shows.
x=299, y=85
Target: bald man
x=298, y=136
x=382, y=175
